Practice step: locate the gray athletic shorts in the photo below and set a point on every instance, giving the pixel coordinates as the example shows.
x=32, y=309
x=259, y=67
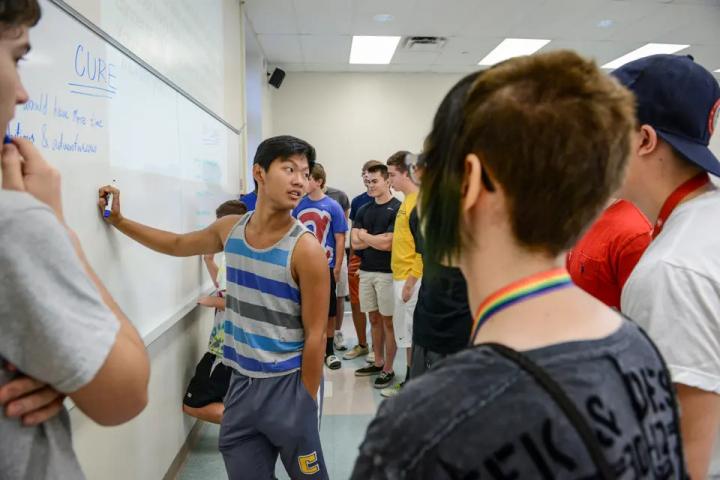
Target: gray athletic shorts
x=267, y=417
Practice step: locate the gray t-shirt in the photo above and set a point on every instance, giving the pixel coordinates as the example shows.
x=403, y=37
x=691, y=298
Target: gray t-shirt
x=339, y=196
x=478, y=415
x=53, y=327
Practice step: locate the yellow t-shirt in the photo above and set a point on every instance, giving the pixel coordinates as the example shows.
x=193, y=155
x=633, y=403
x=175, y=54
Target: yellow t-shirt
x=405, y=261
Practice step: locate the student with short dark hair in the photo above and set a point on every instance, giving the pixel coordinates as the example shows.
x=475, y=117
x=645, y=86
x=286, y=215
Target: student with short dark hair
x=359, y=318
x=674, y=291
x=406, y=263
x=208, y=387
x=276, y=315
x=342, y=289
x=325, y=218
x=372, y=234
x=62, y=333
x=555, y=384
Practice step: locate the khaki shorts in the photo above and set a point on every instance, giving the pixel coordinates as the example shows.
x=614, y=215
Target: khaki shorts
x=403, y=314
x=376, y=293
x=342, y=288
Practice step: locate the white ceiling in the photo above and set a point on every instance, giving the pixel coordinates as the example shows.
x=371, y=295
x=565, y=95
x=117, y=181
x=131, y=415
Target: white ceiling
x=315, y=35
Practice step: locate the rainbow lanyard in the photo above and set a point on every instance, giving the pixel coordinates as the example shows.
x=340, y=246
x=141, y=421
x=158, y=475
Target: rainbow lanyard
x=519, y=291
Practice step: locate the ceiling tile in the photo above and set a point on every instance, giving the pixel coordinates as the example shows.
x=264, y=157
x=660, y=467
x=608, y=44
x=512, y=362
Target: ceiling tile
x=473, y=28
x=282, y=48
x=324, y=17
x=326, y=48
x=271, y=16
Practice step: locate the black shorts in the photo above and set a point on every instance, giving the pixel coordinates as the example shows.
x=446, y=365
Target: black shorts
x=333, y=296
x=208, y=385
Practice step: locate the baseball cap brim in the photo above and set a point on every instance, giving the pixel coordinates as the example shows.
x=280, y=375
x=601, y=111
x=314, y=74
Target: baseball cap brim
x=697, y=153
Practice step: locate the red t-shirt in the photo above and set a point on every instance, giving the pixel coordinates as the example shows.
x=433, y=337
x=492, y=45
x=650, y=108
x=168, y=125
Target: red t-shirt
x=604, y=258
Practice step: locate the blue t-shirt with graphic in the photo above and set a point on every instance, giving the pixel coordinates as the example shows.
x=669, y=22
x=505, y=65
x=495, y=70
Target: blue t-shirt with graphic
x=324, y=218
x=249, y=199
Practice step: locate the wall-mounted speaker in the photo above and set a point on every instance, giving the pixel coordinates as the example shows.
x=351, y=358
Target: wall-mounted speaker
x=277, y=77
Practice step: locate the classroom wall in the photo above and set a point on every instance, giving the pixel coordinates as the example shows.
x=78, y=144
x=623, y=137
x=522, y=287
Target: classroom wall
x=354, y=117
x=144, y=448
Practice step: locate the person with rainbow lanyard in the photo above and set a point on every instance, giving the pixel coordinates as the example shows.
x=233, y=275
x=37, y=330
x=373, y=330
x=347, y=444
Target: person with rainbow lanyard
x=555, y=384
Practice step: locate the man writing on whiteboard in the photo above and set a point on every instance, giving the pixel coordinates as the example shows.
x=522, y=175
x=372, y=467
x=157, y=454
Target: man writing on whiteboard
x=273, y=340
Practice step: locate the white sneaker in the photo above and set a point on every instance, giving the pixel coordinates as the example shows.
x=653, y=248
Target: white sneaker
x=339, y=341
x=332, y=362
x=370, y=357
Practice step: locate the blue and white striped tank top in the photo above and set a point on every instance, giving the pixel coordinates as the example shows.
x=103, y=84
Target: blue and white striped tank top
x=264, y=334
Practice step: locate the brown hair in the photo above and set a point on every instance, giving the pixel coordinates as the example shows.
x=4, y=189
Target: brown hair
x=379, y=168
x=16, y=13
x=231, y=207
x=318, y=173
x=397, y=160
x=552, y=129
x=369, y=164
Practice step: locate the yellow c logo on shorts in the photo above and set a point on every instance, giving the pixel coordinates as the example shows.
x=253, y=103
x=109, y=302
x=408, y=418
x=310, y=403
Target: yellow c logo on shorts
x=308, y=463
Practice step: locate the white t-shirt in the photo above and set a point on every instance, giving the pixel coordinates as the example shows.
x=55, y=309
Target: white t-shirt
x=674, y=294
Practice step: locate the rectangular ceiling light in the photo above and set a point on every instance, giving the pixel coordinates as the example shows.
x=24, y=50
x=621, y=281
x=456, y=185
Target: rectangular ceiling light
x=513, y=47
x=373, y=50
x=645, y=51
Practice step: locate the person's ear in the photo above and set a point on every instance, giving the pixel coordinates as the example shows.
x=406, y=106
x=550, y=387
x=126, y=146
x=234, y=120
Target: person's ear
x=258, y=174
x=472, y=182
x=648, y=141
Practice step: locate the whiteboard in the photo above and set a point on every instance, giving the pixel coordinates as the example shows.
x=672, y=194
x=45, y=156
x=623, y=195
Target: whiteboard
x=99, y=116
x=195, y=43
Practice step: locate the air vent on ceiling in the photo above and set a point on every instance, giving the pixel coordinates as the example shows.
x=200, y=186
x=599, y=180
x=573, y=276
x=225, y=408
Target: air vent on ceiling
x=424, y=44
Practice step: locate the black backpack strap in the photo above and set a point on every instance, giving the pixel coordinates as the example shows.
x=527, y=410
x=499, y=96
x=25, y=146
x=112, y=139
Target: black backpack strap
x=571, y=412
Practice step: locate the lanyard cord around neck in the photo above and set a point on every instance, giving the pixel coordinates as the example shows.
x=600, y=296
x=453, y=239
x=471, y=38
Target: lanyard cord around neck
x=519, y=291
x=677, y=196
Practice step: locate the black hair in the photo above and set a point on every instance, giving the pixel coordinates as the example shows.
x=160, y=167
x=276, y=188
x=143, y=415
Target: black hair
x=16, y=13
x=282, y=147
x=441, y=174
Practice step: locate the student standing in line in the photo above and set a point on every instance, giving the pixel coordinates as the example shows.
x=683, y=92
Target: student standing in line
x=325, y=218
x=405, y=262
x=603, y=259
x=274, y=341
x=555, y=383
x=359, y=319
x=249, y=199
x=442, y=318
x=208, y=387
x=62, y=333
x=342, y=289
x=372, y=233
x=674, y=291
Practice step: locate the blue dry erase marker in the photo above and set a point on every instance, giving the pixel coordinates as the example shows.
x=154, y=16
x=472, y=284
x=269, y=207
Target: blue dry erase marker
x=108, y=203
x=7, y=139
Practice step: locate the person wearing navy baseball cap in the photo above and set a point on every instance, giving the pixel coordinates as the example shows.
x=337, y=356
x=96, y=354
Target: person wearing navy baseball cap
x=674, y=291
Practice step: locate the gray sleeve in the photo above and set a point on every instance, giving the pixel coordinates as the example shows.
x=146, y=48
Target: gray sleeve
x=55, y=326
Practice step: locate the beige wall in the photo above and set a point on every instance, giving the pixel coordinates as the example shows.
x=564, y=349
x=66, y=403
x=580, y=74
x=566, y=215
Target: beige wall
x=144, y=448
x=354, y=117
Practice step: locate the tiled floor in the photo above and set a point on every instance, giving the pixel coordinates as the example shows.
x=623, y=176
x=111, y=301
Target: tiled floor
x=350, y=404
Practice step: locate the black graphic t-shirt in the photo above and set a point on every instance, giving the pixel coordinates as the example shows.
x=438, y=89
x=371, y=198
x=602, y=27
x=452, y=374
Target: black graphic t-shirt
x=477, y=415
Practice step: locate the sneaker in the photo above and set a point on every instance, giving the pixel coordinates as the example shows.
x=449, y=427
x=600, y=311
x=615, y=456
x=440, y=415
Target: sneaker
x=392, y=391
x=339, y=342
x=368, y=371
x=384, y=379
x=370, y=358
x=356, y=351
x=332, y=362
